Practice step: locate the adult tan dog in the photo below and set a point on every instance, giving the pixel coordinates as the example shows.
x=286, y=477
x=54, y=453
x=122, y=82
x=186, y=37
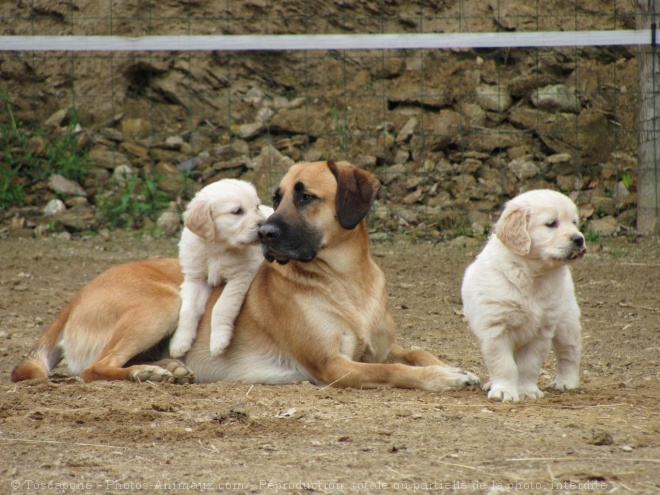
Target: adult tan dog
x=518, y=295
x=320, y=313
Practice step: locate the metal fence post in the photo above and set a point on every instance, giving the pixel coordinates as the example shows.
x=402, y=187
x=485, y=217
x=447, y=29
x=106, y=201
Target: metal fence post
x=648, y=205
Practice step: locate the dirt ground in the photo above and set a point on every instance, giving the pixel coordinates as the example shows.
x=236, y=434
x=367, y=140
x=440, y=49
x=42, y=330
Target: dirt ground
x=64, y=436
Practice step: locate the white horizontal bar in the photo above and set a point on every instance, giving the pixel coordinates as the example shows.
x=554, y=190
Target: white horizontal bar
x=326, y=41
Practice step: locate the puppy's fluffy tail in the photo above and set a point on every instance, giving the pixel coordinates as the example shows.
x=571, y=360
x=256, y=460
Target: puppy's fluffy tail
x=45, y=354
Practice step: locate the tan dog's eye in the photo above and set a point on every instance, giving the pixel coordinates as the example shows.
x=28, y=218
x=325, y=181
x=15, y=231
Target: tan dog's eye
x=238, y=211
x=552, y=225
x=277, y=198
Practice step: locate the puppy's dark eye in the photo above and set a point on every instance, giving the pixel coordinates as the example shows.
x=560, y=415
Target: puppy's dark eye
x=306, y=197
x=552, y=225
x=238, y=211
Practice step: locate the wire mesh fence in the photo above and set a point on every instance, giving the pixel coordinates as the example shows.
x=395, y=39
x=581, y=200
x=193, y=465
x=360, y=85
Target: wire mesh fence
x=451, y=133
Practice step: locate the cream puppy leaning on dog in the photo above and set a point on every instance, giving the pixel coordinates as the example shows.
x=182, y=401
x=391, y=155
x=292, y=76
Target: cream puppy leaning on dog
x=518, y=295
x=219, y=243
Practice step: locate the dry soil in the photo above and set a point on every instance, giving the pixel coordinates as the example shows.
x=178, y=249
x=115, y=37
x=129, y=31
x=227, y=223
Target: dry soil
x=64, y=436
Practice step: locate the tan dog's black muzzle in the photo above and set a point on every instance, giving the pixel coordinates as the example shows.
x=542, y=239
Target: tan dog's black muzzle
x=281, y=242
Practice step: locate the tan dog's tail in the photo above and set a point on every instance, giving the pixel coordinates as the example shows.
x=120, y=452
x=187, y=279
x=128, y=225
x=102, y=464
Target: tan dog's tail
x=45, y=354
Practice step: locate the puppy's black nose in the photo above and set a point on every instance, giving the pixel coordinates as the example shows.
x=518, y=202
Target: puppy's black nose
x=268, y=232
x=578, y=240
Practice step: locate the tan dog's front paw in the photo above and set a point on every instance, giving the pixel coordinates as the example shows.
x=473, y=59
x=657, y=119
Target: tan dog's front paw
x=469, y=377
x=442, y=378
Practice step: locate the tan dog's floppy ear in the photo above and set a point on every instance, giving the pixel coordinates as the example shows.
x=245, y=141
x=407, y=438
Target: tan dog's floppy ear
x=199, y=220
x=356, y=191
x=511, y=229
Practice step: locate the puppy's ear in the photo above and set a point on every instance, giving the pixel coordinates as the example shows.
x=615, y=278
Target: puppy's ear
x=199, y=220
x=356, y=191
x=511, y=229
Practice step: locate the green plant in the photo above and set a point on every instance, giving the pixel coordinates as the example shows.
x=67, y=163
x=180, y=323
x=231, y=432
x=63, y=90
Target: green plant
x=65, y=155
x=133, y=201
x=627, y=180
x=484, y=235
x=30, y=155
x=460, y=227
x=618, y=253
x=339, y=128
x=11, y=190
x=592, y=236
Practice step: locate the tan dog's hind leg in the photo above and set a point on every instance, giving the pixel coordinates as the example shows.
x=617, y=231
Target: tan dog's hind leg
x=166, y=370
x=118, y=321
x=137, y=331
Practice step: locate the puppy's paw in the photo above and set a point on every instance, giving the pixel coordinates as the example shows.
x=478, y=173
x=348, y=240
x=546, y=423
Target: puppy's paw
x=217, y=349
x=499, y=392
x=220, y=339
x=530, y=392
x=563, y=385
x=178, y=349
x=181, y=343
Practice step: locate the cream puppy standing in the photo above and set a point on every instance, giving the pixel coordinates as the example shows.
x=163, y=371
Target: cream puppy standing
x=219, y=244
x=518, y=295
